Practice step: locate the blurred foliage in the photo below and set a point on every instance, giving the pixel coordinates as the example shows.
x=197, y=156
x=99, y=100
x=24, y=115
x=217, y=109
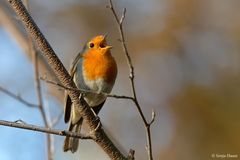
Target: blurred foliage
x=187, y=63
x=207, y=118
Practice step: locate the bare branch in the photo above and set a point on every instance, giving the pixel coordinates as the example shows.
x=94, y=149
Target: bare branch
x=131, y=76
x=63, y=76
x=40, y=102
x=19, y=124
x=123, y=16
x=20, y=121
x=57, y=119
x=86, y=91
x=38, y=89
x=16, y=31
x=122, y=38
x=113, y=10
x=153, y=118
x=17, y=97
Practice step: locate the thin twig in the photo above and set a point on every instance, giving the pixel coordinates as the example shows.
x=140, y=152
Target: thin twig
x=19, y=124
x=39, y=92
x=40, y=102
x=131, y=76
x=153, y=118
x=17, y=97
x=86, y=91
x=54, y=121
x=57, y=119
x=50, y=121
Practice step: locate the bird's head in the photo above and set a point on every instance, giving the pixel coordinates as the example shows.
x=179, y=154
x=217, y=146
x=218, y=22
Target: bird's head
x=99, y=45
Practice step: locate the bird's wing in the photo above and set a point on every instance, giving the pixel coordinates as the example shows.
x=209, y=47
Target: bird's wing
x=67, y=100
x=74, y=65
x=67, y=107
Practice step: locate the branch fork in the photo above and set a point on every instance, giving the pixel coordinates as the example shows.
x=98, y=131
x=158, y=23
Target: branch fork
x=147, y=125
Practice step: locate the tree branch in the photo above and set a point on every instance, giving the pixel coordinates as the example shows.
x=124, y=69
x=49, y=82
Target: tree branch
x=40, y=105
x=17, y=97
x=63, y=76
x=17, y=32
x=86, y=91
x=21, y=125
x=147, y=125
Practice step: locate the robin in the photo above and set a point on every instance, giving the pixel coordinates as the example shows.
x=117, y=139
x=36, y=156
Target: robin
x=95, y=70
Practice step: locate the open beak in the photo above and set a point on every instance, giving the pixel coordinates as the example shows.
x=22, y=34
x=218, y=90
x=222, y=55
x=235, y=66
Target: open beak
x=108, y=47
x=103, y=44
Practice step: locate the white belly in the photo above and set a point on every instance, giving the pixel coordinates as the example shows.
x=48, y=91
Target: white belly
x=99, y=85
x=94, y=99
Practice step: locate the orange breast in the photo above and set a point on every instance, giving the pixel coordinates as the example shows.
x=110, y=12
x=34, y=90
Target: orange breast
x=99, y=66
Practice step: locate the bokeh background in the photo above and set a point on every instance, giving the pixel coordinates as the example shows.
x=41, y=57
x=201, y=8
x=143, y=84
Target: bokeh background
x=186, y=56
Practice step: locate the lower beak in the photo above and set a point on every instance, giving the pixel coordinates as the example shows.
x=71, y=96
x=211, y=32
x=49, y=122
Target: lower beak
x=108, y=47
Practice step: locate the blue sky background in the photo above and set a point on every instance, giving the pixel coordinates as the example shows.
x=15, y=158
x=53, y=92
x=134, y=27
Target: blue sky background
x=16, y=142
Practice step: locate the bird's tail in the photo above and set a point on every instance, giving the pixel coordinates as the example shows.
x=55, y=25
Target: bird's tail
x=71, y=143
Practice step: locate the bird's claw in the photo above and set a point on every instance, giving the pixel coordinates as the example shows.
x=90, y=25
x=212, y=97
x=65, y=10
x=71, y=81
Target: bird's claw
x=99, y=123
x=98, y=126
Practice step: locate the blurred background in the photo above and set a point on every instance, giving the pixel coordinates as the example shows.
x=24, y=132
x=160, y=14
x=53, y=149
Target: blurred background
x=186, y=56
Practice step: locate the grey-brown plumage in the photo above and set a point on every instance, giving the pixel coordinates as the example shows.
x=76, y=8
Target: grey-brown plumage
x=71, y=143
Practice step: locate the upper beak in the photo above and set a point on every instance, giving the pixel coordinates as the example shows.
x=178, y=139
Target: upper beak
x=106, y=48
x=105, y=36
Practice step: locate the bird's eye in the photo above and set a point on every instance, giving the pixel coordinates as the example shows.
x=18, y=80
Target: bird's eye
x=91, y=45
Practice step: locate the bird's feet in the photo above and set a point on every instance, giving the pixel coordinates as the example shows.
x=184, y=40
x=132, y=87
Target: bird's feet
x=97, y=119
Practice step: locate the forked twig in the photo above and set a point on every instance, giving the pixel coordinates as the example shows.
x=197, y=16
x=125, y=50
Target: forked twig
x=131, y=76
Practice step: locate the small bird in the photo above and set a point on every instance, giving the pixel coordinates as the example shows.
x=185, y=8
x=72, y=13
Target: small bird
x=94, y=69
